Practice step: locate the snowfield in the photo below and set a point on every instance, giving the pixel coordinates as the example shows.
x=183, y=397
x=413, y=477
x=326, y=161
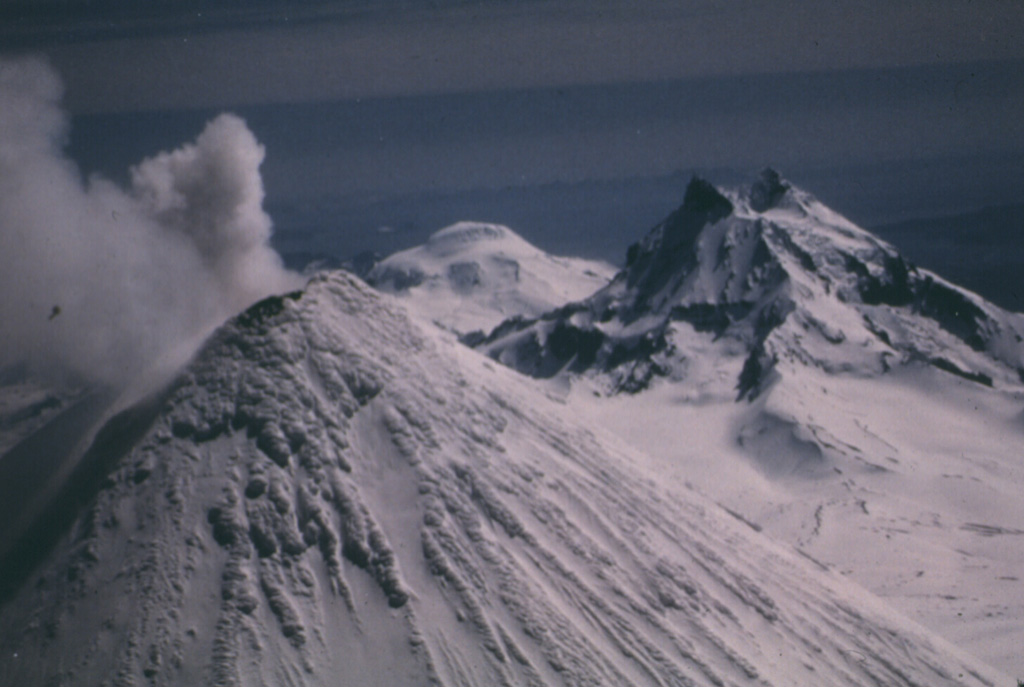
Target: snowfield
x=909, y=485
x=799, y=371
x=331, y=494
x=470, y=277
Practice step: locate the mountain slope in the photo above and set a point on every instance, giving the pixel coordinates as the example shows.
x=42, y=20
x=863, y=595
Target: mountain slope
x=980, y=250
x=471, y=276
x=330, y=495
x=799, y=371
x=769, y=274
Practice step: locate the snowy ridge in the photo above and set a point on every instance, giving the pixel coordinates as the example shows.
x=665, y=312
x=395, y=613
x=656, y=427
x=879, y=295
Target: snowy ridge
x=471, y=276
x=770, y=272
x=331, y=495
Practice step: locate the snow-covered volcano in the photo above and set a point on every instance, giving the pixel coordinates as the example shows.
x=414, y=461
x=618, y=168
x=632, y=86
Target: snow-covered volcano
x=331, y=495
x=471, y=276
x=777, y=280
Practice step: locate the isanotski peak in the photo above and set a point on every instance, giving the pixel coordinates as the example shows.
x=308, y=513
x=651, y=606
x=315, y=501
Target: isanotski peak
x=772, y=270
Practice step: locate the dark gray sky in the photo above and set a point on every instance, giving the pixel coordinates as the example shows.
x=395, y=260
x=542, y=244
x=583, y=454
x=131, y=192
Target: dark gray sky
x=117, y=55
x=376, y=99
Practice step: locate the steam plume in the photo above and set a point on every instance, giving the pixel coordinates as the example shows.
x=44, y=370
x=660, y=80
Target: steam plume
x=101, y=280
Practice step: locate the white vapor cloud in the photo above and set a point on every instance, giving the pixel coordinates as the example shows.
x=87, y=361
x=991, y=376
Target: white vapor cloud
x=100, y=281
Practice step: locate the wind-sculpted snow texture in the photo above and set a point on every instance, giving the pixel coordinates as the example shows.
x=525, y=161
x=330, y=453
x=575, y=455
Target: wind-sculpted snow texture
x=800, y=372
x=772, y=274
x=331, y=496
x=469, y=277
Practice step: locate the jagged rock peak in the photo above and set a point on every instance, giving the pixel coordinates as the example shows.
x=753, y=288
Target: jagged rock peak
x=775, y=272
x=663, y=251
x=704, y=198
x=767, y=190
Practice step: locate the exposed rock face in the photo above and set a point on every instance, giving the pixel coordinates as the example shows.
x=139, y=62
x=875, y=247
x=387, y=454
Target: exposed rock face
x=771, y=270
x=767, y=191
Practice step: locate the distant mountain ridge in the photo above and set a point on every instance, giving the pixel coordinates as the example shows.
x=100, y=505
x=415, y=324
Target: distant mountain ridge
x=769, y=272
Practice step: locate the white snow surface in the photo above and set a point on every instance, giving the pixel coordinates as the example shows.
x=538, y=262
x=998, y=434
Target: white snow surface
x=908, y=484
x=333, y=495
x=793, y=368
x=472, y=276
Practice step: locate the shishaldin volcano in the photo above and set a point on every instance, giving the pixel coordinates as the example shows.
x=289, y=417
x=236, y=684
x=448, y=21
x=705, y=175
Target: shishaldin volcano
x=331, y=495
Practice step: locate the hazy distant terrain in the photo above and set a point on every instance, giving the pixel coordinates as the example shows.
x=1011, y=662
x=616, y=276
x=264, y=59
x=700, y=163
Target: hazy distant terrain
x=982, y=249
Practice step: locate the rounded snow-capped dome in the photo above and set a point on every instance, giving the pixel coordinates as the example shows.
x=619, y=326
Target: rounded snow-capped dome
x=473, y=275
x=469, y=232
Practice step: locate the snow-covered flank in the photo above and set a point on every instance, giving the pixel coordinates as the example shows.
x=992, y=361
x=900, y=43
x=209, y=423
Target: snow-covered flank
x=470, y=277
x=780, y=282
x=909, y=484
x=880, y=416
x=332, y=496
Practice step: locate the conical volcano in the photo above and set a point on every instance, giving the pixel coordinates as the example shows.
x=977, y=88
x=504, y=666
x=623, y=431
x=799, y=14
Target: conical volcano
x=330, y=495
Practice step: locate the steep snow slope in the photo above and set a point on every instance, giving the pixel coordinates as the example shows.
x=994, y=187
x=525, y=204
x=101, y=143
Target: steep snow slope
x=330, y=495
x=909, y=484
x=879, y=420
x=471, y=276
